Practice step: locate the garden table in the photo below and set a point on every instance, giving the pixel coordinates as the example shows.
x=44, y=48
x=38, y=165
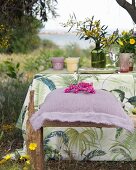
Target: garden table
x=107, y=143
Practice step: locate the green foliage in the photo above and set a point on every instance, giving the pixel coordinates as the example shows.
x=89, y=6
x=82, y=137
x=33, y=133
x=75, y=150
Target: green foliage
x=4, y=36
x=51, y=153
x=132, y=100
x=84, y=139
x=13, y=93
x=67, y=80
x=80, y=77
x=56, y=133
x=13, y=70
x=70, y=79
x=85, y=58
x=127, y=42
x=12, y=11
x=121, y=152
x=10, y=166
x=125, y=148
x=13, y=89
x=20, y=19
x=49, y=44
x=58, y=53
x=1, y=135
x=24, y=36
x=119, y=131
x=48, y=83
x=120, y=92
x=40, y=63
x=90, y=29
x=93, y=154
x=73, y=50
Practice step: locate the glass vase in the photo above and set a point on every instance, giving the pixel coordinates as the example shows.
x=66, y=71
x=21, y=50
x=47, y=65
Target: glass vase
x=98, y=59
x=126, y=61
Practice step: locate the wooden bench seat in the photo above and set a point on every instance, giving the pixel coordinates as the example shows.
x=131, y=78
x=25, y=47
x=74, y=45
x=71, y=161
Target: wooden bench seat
x=37, y=156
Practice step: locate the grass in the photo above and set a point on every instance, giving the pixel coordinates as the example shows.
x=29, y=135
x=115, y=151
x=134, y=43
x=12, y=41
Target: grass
x=39, y=59
x=20, y=58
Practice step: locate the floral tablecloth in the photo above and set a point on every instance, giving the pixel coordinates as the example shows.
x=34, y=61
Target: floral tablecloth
x=85, y=143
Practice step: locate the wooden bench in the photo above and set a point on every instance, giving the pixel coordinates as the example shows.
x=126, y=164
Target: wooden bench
x=37, y=156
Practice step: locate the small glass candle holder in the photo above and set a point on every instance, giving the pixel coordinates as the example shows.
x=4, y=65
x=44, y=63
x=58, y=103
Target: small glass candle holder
x=57, y=63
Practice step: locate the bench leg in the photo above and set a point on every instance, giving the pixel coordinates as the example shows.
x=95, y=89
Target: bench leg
x=39, y=155
x=36, y=155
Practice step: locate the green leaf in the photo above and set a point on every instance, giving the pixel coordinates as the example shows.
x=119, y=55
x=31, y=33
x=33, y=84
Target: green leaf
x=120, y=92
x=94, y=153
x=67, y=80
x=132, y=100
x=18, y=65
x=86, y=38
x=82, y=37
x=1, y=135
x=12, y=75
x=82, y=140
x=56, y=133
x=17, y=155
x=48, y=82
x=122, y=152
x=120, y=145
x=118, y=132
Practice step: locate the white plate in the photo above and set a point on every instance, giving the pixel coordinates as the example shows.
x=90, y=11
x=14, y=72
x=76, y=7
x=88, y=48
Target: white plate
x=97, y=71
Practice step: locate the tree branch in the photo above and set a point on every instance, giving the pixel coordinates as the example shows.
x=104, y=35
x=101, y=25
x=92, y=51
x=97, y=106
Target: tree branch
x=133, y=3
x=129, y=8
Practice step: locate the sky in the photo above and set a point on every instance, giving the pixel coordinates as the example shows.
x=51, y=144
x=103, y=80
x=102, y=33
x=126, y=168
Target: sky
x=108, y=11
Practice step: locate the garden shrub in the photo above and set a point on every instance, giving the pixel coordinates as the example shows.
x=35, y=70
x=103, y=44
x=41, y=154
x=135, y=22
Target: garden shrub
x=12, y=95
x=43, y=61
x=24, y=36
x=13, y=89
x=49, y=44
x=73, y=50
x=58, y=53
x=40, y=63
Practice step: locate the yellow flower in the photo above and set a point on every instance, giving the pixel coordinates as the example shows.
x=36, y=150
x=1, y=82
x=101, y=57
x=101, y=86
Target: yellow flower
x=25, y=168
x=7, y=157
x=32, y=146
x=97, y=34
x=120, y=42
x=124, y=32
x=132, y=41
x=28, y=162
x=88, y=33
x=25, y=157
x=7, y=127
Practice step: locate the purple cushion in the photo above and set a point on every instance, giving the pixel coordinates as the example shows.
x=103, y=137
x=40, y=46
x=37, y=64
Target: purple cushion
x=101, y=107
